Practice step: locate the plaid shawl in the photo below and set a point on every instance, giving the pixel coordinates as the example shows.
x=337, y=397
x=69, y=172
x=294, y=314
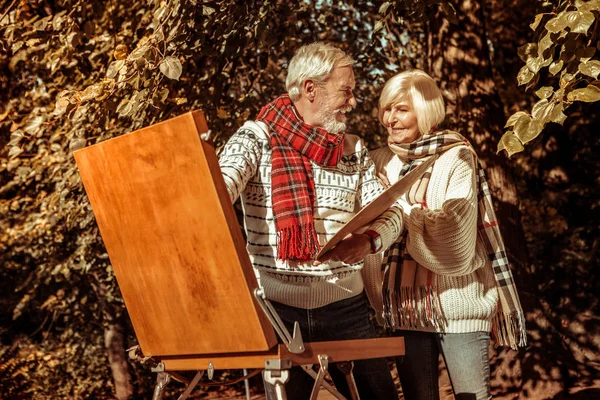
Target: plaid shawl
x=409, y=290
x=294, y=145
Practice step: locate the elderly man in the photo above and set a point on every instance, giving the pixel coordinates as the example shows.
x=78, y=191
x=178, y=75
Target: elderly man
x=301, y=178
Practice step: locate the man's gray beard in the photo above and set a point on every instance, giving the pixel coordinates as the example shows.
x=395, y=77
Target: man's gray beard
x=330, y=124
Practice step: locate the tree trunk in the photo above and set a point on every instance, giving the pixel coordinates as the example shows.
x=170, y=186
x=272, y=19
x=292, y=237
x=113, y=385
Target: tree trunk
x=114, y=340
x=458, y=58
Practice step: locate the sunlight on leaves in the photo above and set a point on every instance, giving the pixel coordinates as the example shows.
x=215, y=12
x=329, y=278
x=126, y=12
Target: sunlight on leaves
x=590, y=68
x=510, y=143
x=171, y=67
x=588, y=94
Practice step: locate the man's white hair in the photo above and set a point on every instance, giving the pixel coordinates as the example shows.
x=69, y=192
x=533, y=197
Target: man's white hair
x=313, y=61
x=424, y=95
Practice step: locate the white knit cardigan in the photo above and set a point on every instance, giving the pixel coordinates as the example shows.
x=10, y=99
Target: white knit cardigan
x=443, y=238
x=339, y=193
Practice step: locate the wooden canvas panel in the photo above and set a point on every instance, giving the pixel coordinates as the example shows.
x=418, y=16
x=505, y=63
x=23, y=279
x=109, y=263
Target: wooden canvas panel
x=174, y=241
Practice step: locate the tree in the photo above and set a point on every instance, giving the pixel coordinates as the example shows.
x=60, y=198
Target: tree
x=567, y=45
x=75, y=73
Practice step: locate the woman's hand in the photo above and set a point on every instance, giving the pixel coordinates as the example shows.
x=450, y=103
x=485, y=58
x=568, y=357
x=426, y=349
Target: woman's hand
x=354, y=248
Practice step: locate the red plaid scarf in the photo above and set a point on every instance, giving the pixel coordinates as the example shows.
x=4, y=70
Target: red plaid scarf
x=294, y=145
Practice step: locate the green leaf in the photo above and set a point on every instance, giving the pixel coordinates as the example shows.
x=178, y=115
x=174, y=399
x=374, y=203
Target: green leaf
x=378, y=26
x=534, y=64
x=125, y=107
x=138, y=52
x=541, y=109
x=526, y=50
x=522, y=123
x=580, y=21
x=14, y=151
x=534, y=128
x=565, y=78
x=15, y=137
x=514, y=118
x=590, y=68
x=207, y=10
x=587, y=5
x=557, y=114
x=544, y=44
x=171, y=67
x=76, y=144
x=12, y=164
x=544, y=92
x=42, y=23
x=525, y=75
x=510, y=143
x=557, y=23
x=536, y=22
x=33, y=124
x=160, y=96
x=114, y=68
x=588, y=94
x=383, y=8
x=555, y=67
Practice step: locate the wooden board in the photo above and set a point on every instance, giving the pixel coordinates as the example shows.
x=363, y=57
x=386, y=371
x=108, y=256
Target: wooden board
x=342, y=350
x=174, y=241
x=377, y=207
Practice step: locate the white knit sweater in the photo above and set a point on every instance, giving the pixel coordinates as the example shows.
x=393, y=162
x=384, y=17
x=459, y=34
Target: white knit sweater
x=339, y=193
x=443, y=238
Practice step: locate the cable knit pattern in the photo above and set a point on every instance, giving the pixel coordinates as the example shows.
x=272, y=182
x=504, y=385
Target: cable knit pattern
x=339, y=193
x=443, y=238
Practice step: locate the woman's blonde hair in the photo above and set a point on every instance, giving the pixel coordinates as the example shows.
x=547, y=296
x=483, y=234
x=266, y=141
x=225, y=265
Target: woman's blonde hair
x=314, y=61
x=424, y=95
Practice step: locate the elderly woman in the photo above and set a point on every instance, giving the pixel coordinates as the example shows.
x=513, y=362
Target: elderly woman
x=445, y=283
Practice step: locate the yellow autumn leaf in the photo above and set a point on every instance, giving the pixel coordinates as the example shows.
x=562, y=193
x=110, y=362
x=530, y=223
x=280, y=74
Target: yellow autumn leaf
x=588, y=94
x=510, y=143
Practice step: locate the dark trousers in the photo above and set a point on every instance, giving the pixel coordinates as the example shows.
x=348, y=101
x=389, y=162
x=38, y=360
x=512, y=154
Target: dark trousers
x=342, y=320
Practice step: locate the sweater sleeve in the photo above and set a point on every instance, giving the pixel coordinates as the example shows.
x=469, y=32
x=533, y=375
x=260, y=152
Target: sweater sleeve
x=239, y=160
x=444, y=240
x=388, y=224
x=373, y=279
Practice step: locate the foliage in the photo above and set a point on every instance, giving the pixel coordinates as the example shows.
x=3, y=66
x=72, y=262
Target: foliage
x=567, y=47
x=75, y=73
x=399, y=11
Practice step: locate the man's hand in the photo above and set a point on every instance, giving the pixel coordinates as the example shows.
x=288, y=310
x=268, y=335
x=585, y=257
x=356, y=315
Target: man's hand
x=354, y=248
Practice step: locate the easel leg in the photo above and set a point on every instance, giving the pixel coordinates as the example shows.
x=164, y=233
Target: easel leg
x=277, y=373
x=162, y=380
x=280, y=391
x=346, y=368
x=324, y=366
x=246, y=385
x=191, y=386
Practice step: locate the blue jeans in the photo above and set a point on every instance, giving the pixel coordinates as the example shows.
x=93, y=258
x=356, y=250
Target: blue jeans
x=342, y=320
x=466, y=356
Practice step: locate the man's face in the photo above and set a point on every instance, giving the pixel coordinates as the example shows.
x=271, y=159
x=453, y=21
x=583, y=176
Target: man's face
x=334, y=99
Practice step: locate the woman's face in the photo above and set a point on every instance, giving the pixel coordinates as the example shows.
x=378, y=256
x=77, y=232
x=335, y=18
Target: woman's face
x=401, y=122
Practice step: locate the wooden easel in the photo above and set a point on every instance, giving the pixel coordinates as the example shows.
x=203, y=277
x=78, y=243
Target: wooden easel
x=180, y=260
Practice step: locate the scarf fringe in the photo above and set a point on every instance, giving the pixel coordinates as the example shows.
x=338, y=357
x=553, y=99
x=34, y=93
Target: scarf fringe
x=508, y=329
x=297, y=243
x=413, y=308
